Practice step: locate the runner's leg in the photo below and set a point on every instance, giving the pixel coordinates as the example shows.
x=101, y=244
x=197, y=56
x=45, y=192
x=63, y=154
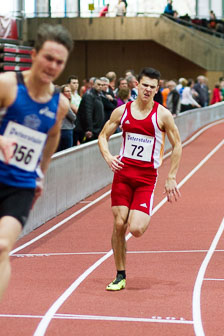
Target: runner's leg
x=10, y=229
x=118, y=237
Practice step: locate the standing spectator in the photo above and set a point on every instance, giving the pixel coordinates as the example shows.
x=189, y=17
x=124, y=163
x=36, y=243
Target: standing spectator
x=91, y=112
x=187, y=100
x=202, y=89
x=165, y=91
x=68, y=123
x=122, y=82
x=121, y=10
x=132, y=84
x=126, y=5
x=123, y=96
x=173, y=99
x=108, y=98
x=216, y=94
x=111, y=75
x=84, y=87
x=75, y=97
x=104, y=10
x=169, y=8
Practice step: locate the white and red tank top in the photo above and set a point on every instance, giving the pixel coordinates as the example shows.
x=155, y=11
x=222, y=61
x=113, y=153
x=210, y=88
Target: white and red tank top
x=143, y=140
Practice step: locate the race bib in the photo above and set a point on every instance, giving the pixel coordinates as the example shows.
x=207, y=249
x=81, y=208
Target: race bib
x=138, y=146
x=28, y=148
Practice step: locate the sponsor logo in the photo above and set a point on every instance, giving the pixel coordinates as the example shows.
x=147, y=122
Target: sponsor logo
x=45, y=111
x=144, y=205
x=127, y=122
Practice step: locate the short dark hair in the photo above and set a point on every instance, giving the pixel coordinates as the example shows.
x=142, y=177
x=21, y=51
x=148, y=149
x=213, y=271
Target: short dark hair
x=149, y=72
x=70, y=78
x=57, y=33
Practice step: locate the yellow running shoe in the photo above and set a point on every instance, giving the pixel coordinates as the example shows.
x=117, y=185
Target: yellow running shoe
x=118, y=284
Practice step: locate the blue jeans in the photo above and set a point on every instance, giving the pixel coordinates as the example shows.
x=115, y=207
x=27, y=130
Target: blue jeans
x=66, y=140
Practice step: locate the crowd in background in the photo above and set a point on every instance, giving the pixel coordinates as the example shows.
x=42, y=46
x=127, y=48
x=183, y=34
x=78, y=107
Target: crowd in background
x=92, y=104
x=212, y=24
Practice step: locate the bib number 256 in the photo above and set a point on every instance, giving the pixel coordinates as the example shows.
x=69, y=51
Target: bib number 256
x=23, y=154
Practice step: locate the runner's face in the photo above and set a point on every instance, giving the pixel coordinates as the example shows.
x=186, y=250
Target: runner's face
x=147, y=88
x=49, y=61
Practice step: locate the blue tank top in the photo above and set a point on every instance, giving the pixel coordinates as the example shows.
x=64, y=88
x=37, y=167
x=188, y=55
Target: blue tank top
x=28, y=122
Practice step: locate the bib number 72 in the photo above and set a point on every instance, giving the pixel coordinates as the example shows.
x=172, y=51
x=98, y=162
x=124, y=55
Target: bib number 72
x=137, y=150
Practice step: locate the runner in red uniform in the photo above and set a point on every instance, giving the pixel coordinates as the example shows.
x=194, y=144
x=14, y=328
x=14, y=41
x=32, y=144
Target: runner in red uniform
x=144, y=124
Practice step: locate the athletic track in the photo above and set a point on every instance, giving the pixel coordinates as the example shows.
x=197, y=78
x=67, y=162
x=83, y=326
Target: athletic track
x=175, y=272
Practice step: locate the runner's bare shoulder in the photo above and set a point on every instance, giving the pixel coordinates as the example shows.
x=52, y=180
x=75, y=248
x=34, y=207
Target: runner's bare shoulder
x=8, y=88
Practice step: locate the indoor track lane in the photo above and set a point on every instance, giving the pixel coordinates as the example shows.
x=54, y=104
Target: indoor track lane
x=162, y=266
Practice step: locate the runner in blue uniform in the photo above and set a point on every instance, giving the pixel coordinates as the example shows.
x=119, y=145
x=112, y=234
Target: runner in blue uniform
x=31, y=111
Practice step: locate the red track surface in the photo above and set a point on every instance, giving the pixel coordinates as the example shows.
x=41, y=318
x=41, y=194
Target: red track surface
x=162, y=266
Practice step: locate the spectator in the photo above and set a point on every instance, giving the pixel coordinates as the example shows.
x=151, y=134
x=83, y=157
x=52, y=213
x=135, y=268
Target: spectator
x=180, y=86
x=68, y=123
x=169, y=8
x=108, y=98
x=187, y=100
x=111, y=75
x=122, y=82
x=132, y=84
x=84, y=87
x=75, y=97
x=126, y=5
x=129, y=73
x=104, y=10
x=165, y=91
x=173, y=99
x=121, y=10
x=123, y=96
x=202, y=89
x=91, y=112
x=212, y=20
x=216, y=94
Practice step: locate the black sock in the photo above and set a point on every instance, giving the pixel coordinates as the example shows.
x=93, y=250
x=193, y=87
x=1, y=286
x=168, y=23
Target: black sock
x=123, y=273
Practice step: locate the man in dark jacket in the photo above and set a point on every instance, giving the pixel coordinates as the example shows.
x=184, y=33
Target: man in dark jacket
x=108, y=98
x=91, y=112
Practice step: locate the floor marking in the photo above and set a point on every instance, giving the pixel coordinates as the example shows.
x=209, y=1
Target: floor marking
x=104, y=195
x=211, y=279
x=198, y=327
x=160, y=319
x=42, y=326
x=28, y=255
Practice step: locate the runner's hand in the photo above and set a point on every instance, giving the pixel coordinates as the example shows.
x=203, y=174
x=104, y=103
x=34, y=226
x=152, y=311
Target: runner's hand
x=7, y=147
x=171, y=189
x=38, y=190
x=115, y=164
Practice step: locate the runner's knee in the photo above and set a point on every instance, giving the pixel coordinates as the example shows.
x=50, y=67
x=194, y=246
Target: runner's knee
x=4, y=249
x=137, y=232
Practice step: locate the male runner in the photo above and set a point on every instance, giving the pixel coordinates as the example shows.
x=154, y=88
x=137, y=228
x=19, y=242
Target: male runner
x=31, y=114
x=144, y=124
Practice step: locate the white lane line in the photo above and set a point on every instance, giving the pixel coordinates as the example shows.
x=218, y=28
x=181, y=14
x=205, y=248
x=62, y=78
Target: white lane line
x=153, y=319
x=19, y=248
x=60, y=223
x=28, y=255
x=42, y=326
x=212, y=279
x=198, y=327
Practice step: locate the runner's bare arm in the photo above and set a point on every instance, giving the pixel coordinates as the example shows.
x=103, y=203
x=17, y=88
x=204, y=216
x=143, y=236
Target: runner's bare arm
x=173, y=135
x=7, y=95
x=109, y=128
x=54, y=134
